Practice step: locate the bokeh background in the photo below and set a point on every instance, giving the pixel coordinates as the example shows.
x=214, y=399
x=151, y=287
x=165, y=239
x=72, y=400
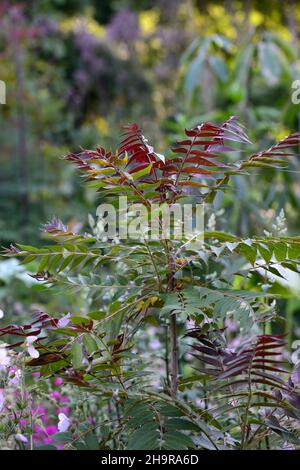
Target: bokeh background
x=76, y=71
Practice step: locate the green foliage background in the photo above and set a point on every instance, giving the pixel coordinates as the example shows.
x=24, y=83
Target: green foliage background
x=75, y=71
x=175, y=64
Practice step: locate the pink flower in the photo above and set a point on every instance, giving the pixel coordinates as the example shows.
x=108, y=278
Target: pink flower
x=39, y=410
x=52, y=429
x=44, y=434
x=55, y=395
x=64, y=409
x=45, y=419
x=60, y=445
x=64, y=399
x=47, y=440
x=58, y=381
x=38, y=429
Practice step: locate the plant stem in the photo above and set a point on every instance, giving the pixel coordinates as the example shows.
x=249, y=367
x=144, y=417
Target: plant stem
x=267, y=330
x=167, y=355
x=173, y=331
x=174, y=355
x=245, y=426
x=31, y=425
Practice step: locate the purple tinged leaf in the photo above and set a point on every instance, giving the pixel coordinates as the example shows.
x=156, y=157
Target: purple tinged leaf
x=295, y=376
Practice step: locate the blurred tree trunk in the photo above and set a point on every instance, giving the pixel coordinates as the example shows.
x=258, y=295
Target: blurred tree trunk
x=22, y=148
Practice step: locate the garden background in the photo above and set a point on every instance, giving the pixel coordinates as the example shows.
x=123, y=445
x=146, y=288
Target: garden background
x=76, y=71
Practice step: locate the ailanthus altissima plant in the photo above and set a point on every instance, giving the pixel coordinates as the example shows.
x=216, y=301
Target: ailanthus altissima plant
x=214, y=375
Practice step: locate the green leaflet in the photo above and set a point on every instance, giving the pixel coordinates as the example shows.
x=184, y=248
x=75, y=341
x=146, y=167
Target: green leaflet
x=146, y=437
x=177, y=440
x=185, y=304
x=76, y=355
x=158, y=426
x=281, y=248
x=195, y=301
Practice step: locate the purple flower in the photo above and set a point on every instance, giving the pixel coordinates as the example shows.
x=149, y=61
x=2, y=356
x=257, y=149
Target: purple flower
x=154, y=344
x=4, y=359
x=288, y=446
x=30, y=348
x=124, y=27
x=63, y=423
x=91, y=420
x=64, y=321
x=190, y=324
x=21, y=438
x=15, y=380
x=46, y=26
x=2, y=400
